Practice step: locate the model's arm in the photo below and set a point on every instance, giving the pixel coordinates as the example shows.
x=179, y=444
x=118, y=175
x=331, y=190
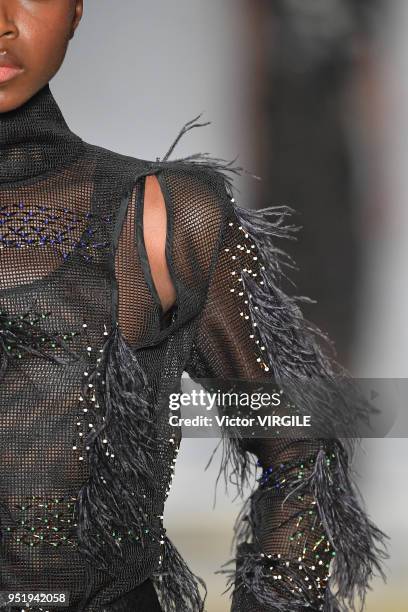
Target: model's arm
x=303, y=521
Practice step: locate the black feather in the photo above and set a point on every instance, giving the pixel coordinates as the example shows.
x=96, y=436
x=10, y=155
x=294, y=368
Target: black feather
x=111, y=500
x=176, y=585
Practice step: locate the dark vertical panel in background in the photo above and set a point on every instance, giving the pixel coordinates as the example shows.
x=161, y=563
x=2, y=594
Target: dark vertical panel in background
x=303, y=64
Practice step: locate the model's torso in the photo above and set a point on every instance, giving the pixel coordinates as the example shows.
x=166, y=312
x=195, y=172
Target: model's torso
x=70, y=275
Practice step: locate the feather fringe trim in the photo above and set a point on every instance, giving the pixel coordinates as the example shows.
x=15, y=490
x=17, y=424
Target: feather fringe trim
x=216, y=166
x=176, y=585
x=301, y=356
x=237, y=465
x=121, y=454
x=302, y=362
x=112, y=500
x=359, y=545
x=318, y=386
x=272, y=583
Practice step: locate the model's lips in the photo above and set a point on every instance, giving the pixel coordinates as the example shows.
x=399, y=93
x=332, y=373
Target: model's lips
x=8, y=72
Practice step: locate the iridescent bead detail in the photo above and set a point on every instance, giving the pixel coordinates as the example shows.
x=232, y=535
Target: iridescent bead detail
x=125, y=535
x=24, y=225
x=86, y=419
x=87, y=401
x=44, y=520
x=24, y=333
x=172, y=441
x=246, y=247
x=305, y=510
x=274, y=477
x=282, y=571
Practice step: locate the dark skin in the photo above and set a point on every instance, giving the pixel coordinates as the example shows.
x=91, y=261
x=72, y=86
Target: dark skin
x=37, y=34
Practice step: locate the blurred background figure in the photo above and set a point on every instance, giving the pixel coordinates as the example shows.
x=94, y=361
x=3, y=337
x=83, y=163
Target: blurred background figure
x=307, y=60
x=312, y=96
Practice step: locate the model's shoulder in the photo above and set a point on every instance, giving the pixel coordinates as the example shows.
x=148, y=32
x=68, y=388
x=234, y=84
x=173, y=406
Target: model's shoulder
x=115, y=160
x=199, y=181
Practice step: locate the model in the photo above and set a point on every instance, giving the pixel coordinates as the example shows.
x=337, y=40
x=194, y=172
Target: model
x=116, y=275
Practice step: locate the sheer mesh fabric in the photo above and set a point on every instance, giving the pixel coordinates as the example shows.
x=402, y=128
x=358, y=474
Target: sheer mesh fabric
x=228, y=346
x=68, y=251
x=88, y=358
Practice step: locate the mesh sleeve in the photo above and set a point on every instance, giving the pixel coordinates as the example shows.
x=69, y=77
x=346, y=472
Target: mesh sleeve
x=302, y=539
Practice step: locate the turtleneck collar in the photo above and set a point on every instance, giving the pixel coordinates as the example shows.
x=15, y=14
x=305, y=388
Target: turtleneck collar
x=35, y=139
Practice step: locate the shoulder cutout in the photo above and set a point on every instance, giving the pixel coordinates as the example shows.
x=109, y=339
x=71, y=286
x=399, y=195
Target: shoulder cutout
x=154, y=233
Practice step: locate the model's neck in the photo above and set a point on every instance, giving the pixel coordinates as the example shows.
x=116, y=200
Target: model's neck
x=35, y=139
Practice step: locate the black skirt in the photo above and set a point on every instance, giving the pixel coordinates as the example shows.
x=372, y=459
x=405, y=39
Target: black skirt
x=141, y=599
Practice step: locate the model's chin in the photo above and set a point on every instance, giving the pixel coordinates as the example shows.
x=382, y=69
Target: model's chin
x=15, y=91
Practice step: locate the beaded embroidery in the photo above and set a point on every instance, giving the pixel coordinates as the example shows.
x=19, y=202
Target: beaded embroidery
x=293, y=472
x=172, y=469
x=87, y=406
x=294, y=576
x=86, y=403
x=248, y=248
x=23, y=333
x=52, y=521
x=308, y=558
x=191, y=185
x=35, y=224
x=44, y=520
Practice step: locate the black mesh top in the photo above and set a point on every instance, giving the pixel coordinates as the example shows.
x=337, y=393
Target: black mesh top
x=88, y=358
